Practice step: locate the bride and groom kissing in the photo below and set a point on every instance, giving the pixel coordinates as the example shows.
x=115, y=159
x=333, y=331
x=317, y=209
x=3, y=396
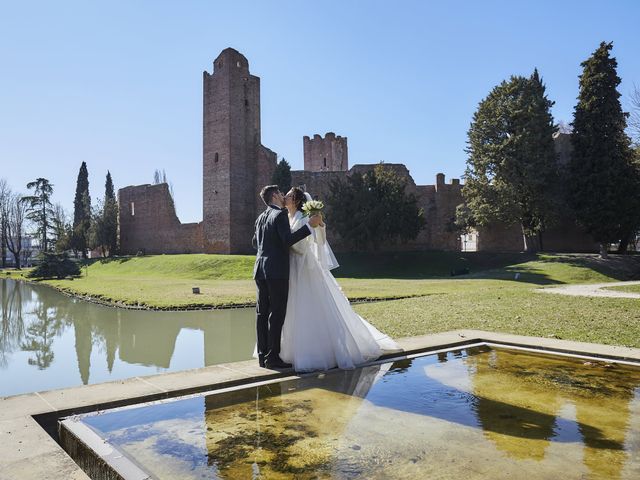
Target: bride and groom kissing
x=303, y=319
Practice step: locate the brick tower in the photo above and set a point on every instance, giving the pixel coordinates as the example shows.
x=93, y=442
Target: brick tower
x=328, y=154
x=232, y=154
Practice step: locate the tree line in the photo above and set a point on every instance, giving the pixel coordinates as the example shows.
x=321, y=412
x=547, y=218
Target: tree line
x=513, y=175
x=92, y=227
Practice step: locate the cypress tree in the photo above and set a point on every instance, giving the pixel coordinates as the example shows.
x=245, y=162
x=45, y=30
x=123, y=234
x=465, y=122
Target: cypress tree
x=110, y=215
x=602, y=176
x=81, y=212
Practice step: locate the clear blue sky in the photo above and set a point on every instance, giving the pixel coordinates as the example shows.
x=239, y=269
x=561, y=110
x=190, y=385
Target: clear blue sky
x=118, y=84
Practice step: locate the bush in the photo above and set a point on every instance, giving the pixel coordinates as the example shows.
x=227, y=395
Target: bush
x=55, y=265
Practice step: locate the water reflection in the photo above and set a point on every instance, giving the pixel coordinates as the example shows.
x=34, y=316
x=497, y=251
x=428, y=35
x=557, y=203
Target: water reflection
x=556, y=401
x=474, y=413
x=48, y=340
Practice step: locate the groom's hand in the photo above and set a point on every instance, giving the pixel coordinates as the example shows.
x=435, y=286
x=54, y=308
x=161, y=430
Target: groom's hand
x=314, y=220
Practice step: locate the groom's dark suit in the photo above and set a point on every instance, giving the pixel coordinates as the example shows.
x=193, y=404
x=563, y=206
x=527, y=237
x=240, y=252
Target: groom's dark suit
x=272, y=239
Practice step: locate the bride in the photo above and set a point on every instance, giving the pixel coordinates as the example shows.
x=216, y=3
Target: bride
x=321, y=330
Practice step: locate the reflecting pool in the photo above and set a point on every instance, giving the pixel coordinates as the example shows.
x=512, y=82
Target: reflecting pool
x=474, y=413
x=48, y=340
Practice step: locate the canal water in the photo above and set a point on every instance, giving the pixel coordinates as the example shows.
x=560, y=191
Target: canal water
x=49, y=340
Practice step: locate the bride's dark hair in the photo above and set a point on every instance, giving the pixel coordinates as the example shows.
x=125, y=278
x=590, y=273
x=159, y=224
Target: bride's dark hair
x=297, y=195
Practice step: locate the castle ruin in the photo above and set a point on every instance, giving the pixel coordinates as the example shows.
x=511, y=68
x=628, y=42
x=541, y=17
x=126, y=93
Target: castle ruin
x=236, y=166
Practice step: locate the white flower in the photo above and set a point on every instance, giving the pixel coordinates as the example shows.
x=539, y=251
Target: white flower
x=312, y=207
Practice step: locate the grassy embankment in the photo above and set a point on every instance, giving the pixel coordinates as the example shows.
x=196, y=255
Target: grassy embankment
x=488, y=298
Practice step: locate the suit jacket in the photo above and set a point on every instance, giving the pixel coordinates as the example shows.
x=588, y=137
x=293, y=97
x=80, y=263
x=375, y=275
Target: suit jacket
x=272, y=239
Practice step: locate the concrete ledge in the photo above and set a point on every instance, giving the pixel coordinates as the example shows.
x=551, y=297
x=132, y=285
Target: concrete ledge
x=28, y=452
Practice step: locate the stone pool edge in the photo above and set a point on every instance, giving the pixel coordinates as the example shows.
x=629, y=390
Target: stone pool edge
x=27, y=451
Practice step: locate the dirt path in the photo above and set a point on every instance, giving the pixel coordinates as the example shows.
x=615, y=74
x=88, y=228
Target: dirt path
x=593, y=290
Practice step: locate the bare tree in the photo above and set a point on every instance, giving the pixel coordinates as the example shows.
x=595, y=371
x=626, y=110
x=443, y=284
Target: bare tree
x=62, y=228
x=16, y=227
x=161, y=177
x=5, y=193
x=564, y=127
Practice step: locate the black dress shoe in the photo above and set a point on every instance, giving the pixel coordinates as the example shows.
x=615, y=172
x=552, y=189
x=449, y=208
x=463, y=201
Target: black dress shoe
x=276, y=362
x=261, y=360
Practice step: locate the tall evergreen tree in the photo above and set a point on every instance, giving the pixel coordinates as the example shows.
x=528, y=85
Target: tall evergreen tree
x=603, y=180
x=41, y=209
x=110, y=215
x=81, y=212
x=282, y=176
x=512, y=160
x=103, y=233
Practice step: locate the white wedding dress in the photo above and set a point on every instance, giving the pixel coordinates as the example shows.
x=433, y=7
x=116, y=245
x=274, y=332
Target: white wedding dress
x=321, y=330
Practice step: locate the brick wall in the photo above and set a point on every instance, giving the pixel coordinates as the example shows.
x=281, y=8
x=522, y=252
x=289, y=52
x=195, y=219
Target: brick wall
x=438, y=201
x=236, y=166
x=231, y=145
x=328, y=154
x=149, y=224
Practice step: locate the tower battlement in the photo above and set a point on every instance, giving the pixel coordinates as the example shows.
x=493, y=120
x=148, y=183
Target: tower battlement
x=328, y=154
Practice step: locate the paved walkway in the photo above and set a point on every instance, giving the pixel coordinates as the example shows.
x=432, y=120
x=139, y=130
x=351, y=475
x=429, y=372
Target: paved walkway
x=593, y=290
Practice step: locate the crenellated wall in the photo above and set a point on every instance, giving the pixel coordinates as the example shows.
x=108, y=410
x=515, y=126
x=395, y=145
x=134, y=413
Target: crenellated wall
x=236, y=166
x=328, y=154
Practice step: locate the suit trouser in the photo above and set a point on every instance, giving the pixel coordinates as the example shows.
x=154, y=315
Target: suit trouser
x=271, y=309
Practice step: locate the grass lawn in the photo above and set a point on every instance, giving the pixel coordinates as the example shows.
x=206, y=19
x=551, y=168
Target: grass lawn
x=498, y=294
x=511, y=308
x=627, y=288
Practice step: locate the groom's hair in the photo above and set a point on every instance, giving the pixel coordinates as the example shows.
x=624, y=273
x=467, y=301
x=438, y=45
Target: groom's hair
x=267, y=193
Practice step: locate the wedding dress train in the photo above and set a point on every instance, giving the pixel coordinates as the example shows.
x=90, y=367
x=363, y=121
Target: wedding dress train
x=321, y=330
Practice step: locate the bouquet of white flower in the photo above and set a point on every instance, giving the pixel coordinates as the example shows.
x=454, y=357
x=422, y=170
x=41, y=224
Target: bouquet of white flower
x=312, y=207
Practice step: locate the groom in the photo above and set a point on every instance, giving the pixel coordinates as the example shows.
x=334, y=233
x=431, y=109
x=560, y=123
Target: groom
x=272, y=239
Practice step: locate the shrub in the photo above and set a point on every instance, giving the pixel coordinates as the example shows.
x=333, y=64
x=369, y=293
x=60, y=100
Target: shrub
x=55, y=265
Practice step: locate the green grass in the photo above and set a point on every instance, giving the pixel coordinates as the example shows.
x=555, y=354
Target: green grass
x=627, y=288
x=509, y=307
x=196, y=266
x=488, y=298
x=166, y=281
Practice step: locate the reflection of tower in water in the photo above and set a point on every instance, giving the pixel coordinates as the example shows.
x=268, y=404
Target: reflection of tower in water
x=519, y=398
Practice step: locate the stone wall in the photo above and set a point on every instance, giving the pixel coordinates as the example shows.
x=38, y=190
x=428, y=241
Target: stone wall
x=438, y=202
x=267, y=161
x=236, y=166
x=149, y=224
x=328, y=154
x=500, y=238
x=568, y=237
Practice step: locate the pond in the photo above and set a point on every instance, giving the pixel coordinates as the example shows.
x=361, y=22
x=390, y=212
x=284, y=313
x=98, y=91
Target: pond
x=475, y=413
x=49, y=340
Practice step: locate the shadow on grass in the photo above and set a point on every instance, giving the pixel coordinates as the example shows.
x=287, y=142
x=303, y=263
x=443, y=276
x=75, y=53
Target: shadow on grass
x=515, y=273
x=104, y=260
x=479, y=265
x=617, y=267
x=424, y=265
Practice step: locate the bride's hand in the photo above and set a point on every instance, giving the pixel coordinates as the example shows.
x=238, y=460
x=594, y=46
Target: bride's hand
x=314, y=220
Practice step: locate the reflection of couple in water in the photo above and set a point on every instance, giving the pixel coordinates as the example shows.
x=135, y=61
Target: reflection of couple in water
x=303, y=318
